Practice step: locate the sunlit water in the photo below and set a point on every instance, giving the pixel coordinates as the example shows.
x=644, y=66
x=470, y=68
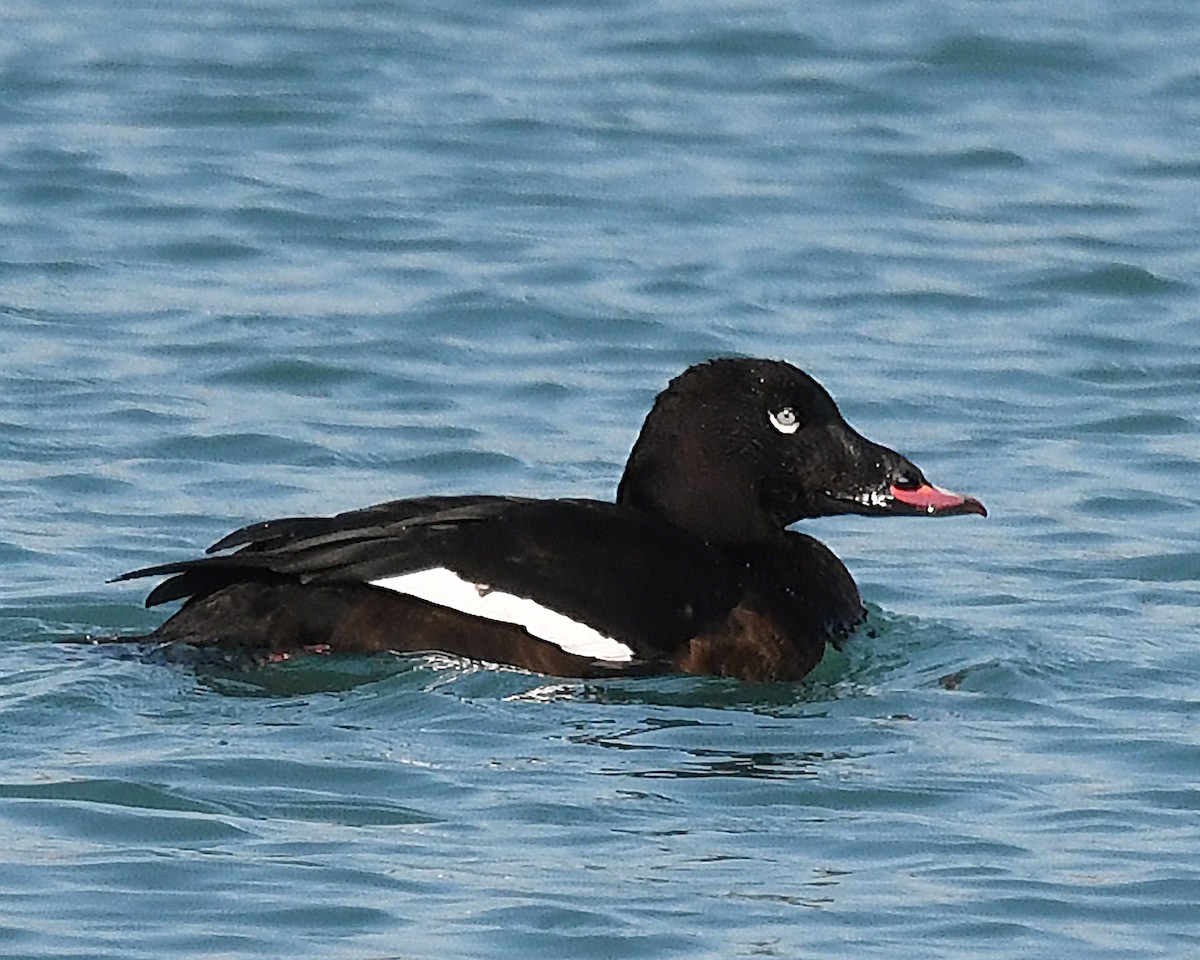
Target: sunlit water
x=264, y=259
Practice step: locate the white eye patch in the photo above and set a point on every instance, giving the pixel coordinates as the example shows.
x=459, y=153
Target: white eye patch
x=784, y=420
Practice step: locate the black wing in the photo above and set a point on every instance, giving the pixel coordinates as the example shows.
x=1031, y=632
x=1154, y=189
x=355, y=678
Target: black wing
x=296, y=548
x=628, y=574
x=271, y=534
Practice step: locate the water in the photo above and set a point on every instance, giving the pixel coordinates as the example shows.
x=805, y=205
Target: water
x=268, y=258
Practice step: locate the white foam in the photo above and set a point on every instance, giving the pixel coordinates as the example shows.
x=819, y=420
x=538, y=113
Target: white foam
x=447, y=589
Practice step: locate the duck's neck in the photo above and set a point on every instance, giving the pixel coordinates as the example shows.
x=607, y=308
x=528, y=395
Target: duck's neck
x=723, y=513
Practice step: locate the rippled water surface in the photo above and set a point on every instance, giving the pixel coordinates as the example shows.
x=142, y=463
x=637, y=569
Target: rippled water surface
x=271, y=258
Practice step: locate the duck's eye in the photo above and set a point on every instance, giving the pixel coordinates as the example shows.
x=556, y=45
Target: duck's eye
x=784, y=420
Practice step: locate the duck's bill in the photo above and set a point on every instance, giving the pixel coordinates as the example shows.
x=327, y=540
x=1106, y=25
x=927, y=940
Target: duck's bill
x=932, y=501
x=924, y=500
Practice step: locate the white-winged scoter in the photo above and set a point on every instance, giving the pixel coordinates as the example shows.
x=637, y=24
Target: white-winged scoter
x=691, y=570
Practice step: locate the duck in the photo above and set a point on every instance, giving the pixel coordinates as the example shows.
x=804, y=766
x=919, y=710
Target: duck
x=691, y=569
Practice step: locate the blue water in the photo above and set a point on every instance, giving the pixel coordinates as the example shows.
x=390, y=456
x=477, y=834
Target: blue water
x=273, y=258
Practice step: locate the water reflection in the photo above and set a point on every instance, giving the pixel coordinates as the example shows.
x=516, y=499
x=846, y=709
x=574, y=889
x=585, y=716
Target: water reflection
x=682, y=762
x=753, y=766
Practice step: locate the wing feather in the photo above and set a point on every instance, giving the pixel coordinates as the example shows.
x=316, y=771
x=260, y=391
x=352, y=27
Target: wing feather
x=627, y=574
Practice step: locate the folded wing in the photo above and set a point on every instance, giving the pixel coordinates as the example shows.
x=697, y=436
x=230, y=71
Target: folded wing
x=624, y=575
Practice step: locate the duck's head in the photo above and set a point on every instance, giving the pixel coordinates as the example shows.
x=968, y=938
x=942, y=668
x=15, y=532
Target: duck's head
x=737, y=449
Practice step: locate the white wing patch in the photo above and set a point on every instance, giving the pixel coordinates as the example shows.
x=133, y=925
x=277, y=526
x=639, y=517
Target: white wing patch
x=447, y=589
